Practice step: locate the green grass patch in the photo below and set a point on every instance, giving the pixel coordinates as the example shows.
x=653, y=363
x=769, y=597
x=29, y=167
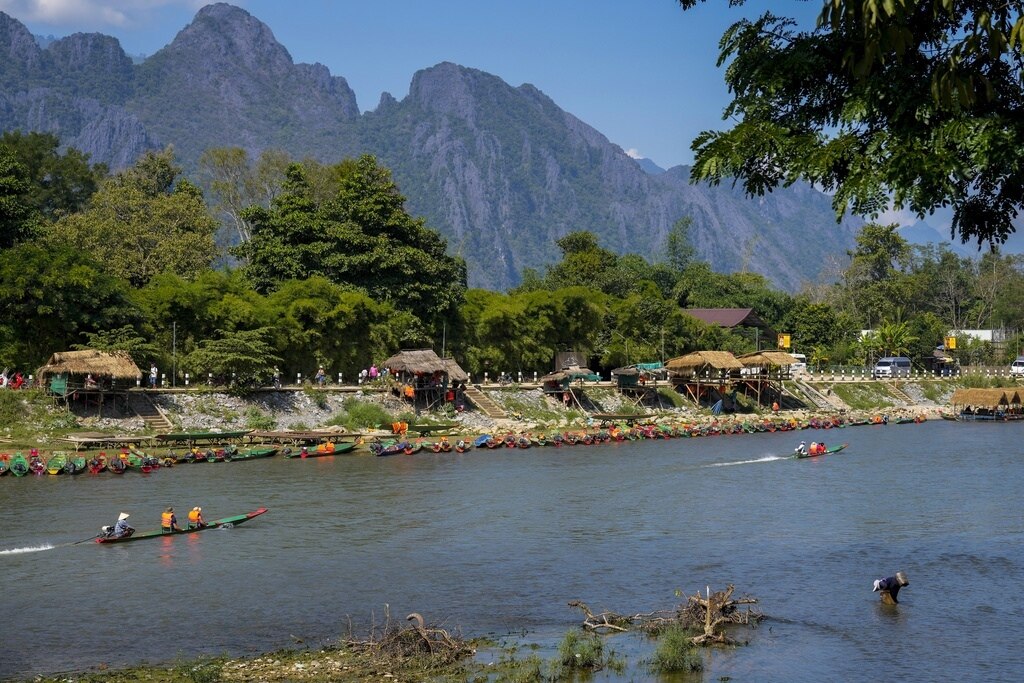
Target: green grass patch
x=257, y=419
x=979, y=381
x=357, y=415
x=861, y=395
x=584, y=651
x=675, y=652
x=672, y=397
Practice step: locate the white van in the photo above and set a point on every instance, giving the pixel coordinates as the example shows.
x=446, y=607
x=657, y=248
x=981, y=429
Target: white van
x=892, y=366
x=1017, y=366
x=800, y=364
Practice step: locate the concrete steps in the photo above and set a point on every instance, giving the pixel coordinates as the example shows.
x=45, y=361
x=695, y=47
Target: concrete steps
x=484, y=403
x=143, y=406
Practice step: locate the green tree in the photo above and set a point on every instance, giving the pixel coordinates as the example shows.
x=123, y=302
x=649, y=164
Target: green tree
x=52, y=299
x=363, y=237
x=679, y=249
x=126, y=339
x=143, y=222
x=875, y=281
x=18, y=220
x=59, y=183
x=236, y=183
x=243, y=357
x=917, y=103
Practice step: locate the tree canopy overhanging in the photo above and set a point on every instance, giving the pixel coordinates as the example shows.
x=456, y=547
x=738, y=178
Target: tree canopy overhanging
x=914, y=104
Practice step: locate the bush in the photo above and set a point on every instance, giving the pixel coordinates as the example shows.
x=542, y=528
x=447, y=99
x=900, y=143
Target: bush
x=675, y=652
x=257, y=419
x=13, y=408
x=358, y=415
x=579, y=650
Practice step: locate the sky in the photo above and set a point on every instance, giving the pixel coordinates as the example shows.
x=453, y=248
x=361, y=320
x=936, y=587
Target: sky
x=642, y=72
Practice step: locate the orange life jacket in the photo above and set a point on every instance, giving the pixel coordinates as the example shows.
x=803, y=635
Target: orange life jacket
x=166, y=519
x=193, y=517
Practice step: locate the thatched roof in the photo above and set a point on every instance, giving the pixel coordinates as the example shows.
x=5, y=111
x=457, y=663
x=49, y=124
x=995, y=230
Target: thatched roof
x=415, y=362
x=555, y=376
x=760, y=358
x=626, y=372
x=985, y=398
x=718, y=360
x=117, y=365
x=455, y=372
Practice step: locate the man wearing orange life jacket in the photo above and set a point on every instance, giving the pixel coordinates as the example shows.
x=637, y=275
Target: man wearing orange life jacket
x=168, y=522
x=195, y=518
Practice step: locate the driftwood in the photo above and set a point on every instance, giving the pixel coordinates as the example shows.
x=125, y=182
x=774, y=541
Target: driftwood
x=707, y=613
x=394, y=640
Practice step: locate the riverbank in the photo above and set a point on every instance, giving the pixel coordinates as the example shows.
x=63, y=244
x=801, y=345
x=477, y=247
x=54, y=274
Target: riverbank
x=528, y=410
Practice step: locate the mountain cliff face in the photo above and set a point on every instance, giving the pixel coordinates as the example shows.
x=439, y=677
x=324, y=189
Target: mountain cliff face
x=501, y=171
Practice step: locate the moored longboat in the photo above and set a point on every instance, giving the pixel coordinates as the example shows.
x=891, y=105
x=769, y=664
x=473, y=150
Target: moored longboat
x=19, y=464
x=55, y=463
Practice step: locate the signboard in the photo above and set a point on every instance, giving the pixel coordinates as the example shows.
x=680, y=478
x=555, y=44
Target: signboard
x=783, y=341
x=950, y=343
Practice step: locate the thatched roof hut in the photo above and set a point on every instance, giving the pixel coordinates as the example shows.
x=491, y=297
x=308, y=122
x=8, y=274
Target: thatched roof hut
x=455, y=371
x=415, y=362
x=985, y=398
x=703, y=360
x=767, y=358
x=117, y=365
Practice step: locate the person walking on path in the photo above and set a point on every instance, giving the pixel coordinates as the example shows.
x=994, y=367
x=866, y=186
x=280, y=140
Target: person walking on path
x=152, y=376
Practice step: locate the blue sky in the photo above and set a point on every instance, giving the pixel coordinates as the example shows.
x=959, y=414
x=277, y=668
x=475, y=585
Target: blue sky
x=641, y=72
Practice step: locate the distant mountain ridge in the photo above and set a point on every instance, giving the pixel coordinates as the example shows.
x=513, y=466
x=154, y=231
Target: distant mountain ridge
x=501, y=171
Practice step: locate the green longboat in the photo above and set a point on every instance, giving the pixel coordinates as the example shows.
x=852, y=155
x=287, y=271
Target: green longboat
x=234, y=454
x=215, y=524
x=19, y=465
x=56, y=462
x=828, y=451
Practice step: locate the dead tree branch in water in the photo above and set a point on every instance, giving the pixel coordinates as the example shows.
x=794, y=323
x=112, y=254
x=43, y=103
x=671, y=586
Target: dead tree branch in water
x=703, y=613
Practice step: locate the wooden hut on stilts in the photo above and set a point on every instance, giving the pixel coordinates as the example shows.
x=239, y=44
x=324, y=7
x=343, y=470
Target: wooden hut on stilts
x=703, y=376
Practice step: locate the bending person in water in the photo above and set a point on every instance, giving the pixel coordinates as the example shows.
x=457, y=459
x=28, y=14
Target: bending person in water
x=889, y=587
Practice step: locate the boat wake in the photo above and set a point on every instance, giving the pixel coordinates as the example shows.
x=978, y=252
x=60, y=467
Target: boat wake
x=33, y=549
x=767, y=458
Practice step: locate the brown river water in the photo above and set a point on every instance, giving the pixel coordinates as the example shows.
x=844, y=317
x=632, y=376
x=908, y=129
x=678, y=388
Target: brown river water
x=496, y=542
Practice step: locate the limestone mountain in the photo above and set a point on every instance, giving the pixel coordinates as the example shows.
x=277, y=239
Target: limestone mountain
x=501, y=171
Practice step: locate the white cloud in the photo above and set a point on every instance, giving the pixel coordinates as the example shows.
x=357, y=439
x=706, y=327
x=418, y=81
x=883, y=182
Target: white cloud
x=89, y=14
x=900, y=217
x=634, y=153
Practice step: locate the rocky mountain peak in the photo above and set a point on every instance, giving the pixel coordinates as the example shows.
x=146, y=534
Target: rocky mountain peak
x=225, y=36
x=20, y=56
x=92, y=64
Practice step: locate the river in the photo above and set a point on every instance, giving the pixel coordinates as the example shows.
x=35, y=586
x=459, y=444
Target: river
x=497, y=542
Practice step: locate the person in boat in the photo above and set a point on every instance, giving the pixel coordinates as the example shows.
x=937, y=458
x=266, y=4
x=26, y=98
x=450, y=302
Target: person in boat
x=822, y=447
x=889, y=587
x=168, y=521
x=801, y=449
x=813, y=449
x=121, y=528
x=195, y=518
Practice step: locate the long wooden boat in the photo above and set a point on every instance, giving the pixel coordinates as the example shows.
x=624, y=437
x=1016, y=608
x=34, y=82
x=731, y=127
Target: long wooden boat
x=19, y=465
x=75, y=465
x=192, y=437
x=339, y=447
x=215, y=524
x=828, y=451
x=55, y=465
x=233, y=454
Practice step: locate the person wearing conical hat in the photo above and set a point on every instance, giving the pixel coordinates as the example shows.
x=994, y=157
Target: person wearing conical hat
x=122, y=528
x=889, y=587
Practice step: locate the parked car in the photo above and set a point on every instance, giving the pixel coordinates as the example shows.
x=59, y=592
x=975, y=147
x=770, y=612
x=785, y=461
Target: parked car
x=892, y=366
x=1017, y=366
x=800, y=365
